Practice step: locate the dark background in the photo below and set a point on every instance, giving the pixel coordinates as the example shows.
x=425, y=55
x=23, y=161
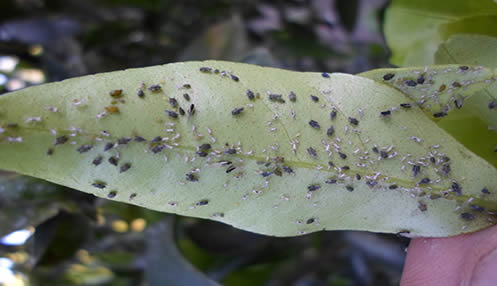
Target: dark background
x=82, y=240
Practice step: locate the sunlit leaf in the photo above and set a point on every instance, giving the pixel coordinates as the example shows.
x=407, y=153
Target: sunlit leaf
x=274, y=167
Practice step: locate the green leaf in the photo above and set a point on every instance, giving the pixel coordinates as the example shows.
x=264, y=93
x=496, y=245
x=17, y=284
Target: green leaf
x=260, y=173
x=415, y=29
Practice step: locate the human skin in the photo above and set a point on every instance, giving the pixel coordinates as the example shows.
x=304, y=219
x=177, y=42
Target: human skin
x=469, y=259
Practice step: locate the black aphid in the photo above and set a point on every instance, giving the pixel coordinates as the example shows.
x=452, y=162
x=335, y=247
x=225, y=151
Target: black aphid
x=205, y=147
x=331, y=181
x=433, y=160
x=108, y=146
x=181, y=111
x=230, y=151
x=124, y=167
x=371, y=183
x=388, y=76
x=459, y=102
x=287, y=169
x=349, y=188
x=234, y=77
x=202, y=203
x=171, y=114
x=312, y=152
x=464, y=68
x=97, y=161
x=456, y=188
x=415, y=170
x=314, y=98
x=230, y=169
x=325, y=75
x=393, y=187
x=353, y=121
x=155, y=88
x=187, y=86
x=422, y=206
x=421, y=79
x=132, y=196
x=292, y=96
x=357, y=176
x=49, y=152
x=345, y=168
x=191, y=177
x=250, y=94
x=237, y=111
x=266, y=174
x=467, y=216
x=314, y=124
x=99, y=185
x=205, y=69
x=314, y=187
x=202, y=154
x=156, y=139
x=385, y=113
x=477, y=208
x=60, y=140
x=375, y=149
x=330, y=131
x=405, y=105
x=111, y=194
x=411, y=83
x=383, y=154
x=309, y=221
x=84, y=148
x=424, y=181
x=485, y=191
x=276, y=97
x=191, y=111
x=186, y=96
x=156, y=149
x=492, y=104
x=333, y=114
x=342, y=155
x=123, y=140
x=331, y=164
x=140, y=93
x=114, y=161
x=139, y=139
x=173, y=102
x=456, y=84
x=440, y=114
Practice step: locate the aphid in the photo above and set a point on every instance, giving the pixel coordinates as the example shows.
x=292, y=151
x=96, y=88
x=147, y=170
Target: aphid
x=405, y=105
x=371, y=183
x=442, y=88
x=49, y=152
x=330, y=131
x=421, y=79
x=325, y=75
x=111, y=194
x=446, y=169
x=230, y=169
x=237, y=111
x=186, y=96
x=84, y=148
x=477, y=208
x=459, y=102
x=205, y=147
x=156, y=149
x=276, y=97
x=155, y=88
x=342, y=155
x=331, y=181
x=463, y=68
x=287, y=169
x=456, y=188
x=383, y=154
x=424, y=181
x=173, y=102
x=388, y=76
x=415, y=170
x=358, y=176
x=124, y=167
x=375, y=149
x=422, y=206
x=156, y=139
x=116, y=93
x=234, y=77
x=331, y=164
x=187, y=86
x=393, y=187
x=97, y=160
x=230, y=151
x=345, y=168
x=60, y=140
x=349, y=188
x=456, y=84
x=172, y=114
x=108, y=146
x=132, y=196
x=314, y=124
x=202, y=203
x=292, y=96
x=201, y=153
x=309, y=221
x=353, y=121
x=205, y=69
x=411, y=83
x=312, y=152
x=250, y=94
x=191, y=177
x=314, y=187
x=99, y=185
x=467, y=216
x=181, y=111
x=314, y=98
x=266, y=174
x=485, y=191
x=140, y=93
x=113, y=160
x=492, y=104
x=385, y=113
x=333, y=114
x=139, y=139
x=123, y=140
x=112, y=109
x=440, y=114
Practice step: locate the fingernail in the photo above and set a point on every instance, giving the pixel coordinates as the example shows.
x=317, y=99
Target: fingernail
x=485, y=273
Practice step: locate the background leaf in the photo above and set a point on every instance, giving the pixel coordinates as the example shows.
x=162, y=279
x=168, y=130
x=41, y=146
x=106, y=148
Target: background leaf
x=269, y=164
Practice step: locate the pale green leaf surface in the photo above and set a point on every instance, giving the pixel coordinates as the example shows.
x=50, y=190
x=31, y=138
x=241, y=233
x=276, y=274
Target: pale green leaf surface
x=414, y=29
x=263, y=134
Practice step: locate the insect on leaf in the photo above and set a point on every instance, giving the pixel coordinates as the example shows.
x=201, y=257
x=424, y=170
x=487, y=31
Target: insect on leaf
x=266, y=150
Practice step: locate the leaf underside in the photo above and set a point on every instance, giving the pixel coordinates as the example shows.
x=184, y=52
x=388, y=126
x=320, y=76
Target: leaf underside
x=269, y=168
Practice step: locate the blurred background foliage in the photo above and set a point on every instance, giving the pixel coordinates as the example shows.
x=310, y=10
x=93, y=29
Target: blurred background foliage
x=52, y=235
